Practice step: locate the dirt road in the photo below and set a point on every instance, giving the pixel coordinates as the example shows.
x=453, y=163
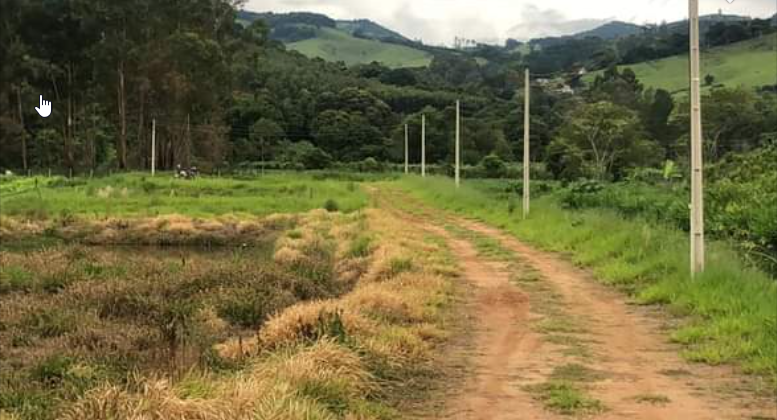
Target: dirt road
x=549, y=342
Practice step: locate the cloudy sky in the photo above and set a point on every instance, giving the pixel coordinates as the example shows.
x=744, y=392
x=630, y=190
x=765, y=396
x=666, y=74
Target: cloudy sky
x=439, y=21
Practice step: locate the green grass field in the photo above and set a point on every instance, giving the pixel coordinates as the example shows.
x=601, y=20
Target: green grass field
x=750, y=64
x=729, y=312
x=139, y=195
x=335, y=45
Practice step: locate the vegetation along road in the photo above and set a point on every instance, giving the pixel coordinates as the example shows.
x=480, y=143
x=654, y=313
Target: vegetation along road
x=549, y=341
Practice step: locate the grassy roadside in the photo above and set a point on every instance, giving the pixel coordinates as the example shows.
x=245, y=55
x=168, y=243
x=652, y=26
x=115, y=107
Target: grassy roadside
x=729, y=313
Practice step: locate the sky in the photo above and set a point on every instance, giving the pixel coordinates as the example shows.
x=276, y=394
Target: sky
x=440, y=21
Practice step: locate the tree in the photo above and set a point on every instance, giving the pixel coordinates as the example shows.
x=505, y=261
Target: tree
x=657, y=111
x=493, y=166
x=609, y=138
x=732, y=121
x=622, y=88
x=502, y=147
x=348, y=137
x=264, y=135
x=302, y=155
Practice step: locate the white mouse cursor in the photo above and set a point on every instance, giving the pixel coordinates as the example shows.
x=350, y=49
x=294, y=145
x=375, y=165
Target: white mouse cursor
x=45, y=108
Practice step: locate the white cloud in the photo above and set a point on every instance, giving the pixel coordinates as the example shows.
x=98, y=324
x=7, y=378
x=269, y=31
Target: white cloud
x=439, y=21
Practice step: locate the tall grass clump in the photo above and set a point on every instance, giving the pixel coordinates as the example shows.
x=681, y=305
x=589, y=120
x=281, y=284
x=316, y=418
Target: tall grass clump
x=729, y=312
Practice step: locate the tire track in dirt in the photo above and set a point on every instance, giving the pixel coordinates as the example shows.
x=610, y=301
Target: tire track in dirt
x=501, y=337
x=633, y=352
x=628, y=347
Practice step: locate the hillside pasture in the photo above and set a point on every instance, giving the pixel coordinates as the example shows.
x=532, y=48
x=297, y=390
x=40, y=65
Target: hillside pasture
x=335, y=45
x=749, y=64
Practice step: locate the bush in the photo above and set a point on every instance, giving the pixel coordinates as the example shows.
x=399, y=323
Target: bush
x=331, y=206
x=371, y=165
x=303, y=155
x=493, y=167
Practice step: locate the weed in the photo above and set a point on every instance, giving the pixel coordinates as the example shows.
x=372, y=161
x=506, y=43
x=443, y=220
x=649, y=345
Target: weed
x=15, y=279
x=574, y=372
x=360, y=247
x=400, y=265
x=653, y=399
x=565, y=398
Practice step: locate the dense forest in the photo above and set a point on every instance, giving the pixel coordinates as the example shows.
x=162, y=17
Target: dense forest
x=224, y=94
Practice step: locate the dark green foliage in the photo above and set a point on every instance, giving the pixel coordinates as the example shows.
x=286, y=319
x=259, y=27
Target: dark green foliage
x=331, y=205
x=741, y=202
x=302, y=155
x=493, y=166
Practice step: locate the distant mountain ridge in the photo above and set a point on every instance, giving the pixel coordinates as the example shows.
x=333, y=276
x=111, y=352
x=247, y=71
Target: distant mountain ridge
x=365, y=28
x=618, y=29
x=298, y=26
x=612, y=30
x=362, y=41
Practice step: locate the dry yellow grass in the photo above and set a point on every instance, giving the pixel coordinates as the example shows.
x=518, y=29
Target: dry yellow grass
x=166, y=229
x=300, y=366
x=8, y=416
x=320, y=364
x=300, y=321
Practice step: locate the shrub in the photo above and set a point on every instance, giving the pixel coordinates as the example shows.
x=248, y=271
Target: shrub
x=493, y=166
x=331, y=206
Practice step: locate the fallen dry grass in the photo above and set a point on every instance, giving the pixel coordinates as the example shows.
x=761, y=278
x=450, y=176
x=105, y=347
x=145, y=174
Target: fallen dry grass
x=165, y=230
x=75, y=319
x=335, y=358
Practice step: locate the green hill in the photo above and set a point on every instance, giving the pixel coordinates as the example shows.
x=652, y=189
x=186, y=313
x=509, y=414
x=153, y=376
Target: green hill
x=750, y=64
x=365, y=28
x=335, y=45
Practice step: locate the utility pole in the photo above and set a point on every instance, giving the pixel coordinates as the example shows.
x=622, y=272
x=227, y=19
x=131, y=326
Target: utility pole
x=526, y=148
x=423, y=146
x=697, y=175
x=407, y=154
x=458, y=144
x=24, y=129
x=153, y=147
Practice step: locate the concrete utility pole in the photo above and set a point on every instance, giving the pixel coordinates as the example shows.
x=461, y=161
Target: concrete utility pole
x=526, y=148
x=697, y=161
x=153, y=147
x=458, y=144
x=423, y=146
x=407, y=154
